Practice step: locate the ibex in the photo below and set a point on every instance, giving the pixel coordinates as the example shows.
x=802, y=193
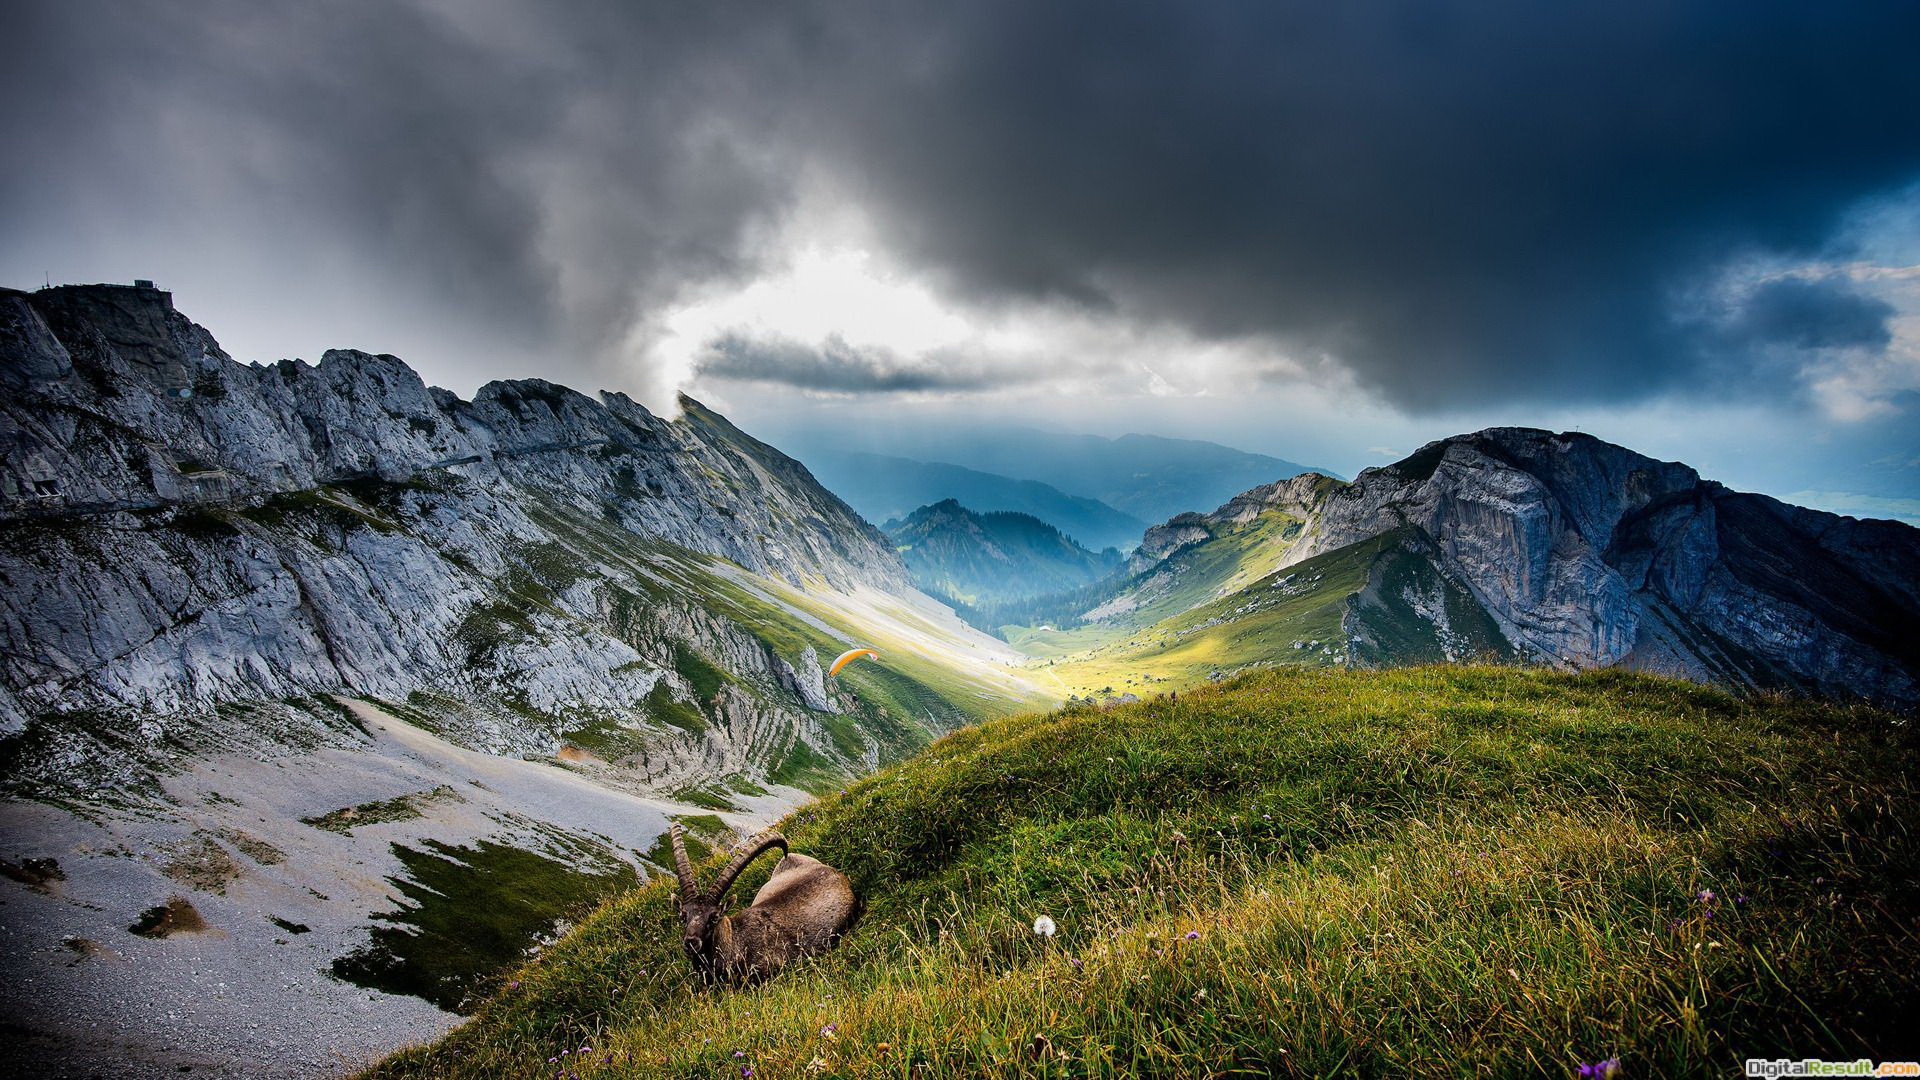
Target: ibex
x=801, y=911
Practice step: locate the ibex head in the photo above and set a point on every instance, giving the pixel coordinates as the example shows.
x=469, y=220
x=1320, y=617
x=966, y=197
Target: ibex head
x=802, y=910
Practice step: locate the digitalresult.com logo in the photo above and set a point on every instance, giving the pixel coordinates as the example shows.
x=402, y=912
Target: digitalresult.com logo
x=1821, y=1067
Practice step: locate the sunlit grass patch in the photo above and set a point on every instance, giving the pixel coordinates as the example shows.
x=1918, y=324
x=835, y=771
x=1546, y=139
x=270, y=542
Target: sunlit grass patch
x=1435, y=871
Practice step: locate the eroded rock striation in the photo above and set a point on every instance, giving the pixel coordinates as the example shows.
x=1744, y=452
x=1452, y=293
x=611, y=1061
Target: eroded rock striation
x=185, y=534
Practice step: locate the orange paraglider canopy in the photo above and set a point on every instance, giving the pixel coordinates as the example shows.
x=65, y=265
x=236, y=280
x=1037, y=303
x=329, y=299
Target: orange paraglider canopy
x=849, y=657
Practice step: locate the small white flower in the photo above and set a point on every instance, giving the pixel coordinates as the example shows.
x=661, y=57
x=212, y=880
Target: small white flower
x=1043, y=926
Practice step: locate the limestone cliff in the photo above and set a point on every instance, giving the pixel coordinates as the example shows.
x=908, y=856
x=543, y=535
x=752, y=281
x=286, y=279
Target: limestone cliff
x=1588, y=555
x=530, y=570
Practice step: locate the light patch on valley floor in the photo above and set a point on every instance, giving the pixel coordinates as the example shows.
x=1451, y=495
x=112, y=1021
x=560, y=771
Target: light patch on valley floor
x=250, y=995
x=539, y=790
x=987, y=664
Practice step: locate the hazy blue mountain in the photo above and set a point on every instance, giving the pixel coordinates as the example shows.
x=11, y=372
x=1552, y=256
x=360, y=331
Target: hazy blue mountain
x=1147, y=477
x=882, y=488
x=992, y=557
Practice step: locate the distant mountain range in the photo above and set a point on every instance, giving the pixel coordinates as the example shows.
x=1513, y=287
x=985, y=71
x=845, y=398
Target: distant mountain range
x=1518, y=545
x=986, y=559
x=1147, y=478
x=884, y=488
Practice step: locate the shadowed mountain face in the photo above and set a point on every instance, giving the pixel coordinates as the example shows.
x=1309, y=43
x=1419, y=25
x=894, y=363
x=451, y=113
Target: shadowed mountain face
x=536, y=568
x=883, y=488
x=984, y=559
x=1521, y=544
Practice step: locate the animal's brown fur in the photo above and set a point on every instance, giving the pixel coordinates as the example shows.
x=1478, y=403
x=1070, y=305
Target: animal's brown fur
x=803, y=910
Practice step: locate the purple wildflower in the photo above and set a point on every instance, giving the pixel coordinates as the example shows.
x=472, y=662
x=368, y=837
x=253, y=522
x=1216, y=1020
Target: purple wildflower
x=1601, y=1070
x=745, y=1071
x=1193, y=935
x=1706, y=897
x=739, y=1053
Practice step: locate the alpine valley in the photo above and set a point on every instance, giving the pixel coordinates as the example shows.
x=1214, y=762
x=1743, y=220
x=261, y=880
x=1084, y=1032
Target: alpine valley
x=313, y=666
x=1507, y=546
x=355, y=690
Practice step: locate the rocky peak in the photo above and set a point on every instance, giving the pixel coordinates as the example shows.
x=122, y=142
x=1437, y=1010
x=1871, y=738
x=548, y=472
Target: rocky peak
x=1298, y=495
x=1587, y=554
x=126, y=404
x=137, y=322
x=187, y=536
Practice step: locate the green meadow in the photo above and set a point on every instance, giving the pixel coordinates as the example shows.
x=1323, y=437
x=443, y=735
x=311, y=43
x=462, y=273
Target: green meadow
x=1430, y=871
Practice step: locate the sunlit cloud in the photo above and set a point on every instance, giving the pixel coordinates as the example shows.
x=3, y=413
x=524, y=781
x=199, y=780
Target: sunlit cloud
x=839, y=320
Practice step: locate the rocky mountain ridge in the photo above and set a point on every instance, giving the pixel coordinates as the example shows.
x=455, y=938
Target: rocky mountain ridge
x=120, y=402
x=1588, y=555
x=184, y=532
x=312, y=670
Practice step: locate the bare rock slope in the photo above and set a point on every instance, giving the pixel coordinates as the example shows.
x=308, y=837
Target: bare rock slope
x=183, y=532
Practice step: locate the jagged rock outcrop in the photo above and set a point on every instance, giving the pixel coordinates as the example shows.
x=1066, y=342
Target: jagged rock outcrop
x=1589, y=555
x=528, y=569
x=120, y=402
x=1164, y=539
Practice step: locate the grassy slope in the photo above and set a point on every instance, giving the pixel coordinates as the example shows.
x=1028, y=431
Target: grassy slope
x=1237, y=557
x=1257, y=625
x=1434, y=870
x=916, y=690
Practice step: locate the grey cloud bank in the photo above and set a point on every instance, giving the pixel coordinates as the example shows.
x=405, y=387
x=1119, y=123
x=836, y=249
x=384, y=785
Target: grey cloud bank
x=1451, y=207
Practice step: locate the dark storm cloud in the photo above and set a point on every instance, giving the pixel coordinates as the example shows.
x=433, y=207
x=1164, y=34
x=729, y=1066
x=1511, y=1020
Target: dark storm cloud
x=1824, y=313
x=837, y=367
x=1494, y=200
x=549, y=171
x=1490, y=200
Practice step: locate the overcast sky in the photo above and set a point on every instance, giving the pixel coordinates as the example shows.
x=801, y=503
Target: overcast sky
x=1329, y=231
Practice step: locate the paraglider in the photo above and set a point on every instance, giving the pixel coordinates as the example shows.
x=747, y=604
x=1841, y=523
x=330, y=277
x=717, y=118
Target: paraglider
x=849, y=657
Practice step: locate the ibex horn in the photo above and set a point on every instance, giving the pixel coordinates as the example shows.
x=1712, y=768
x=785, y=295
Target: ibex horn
x=681, y=867
x=748, y=852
